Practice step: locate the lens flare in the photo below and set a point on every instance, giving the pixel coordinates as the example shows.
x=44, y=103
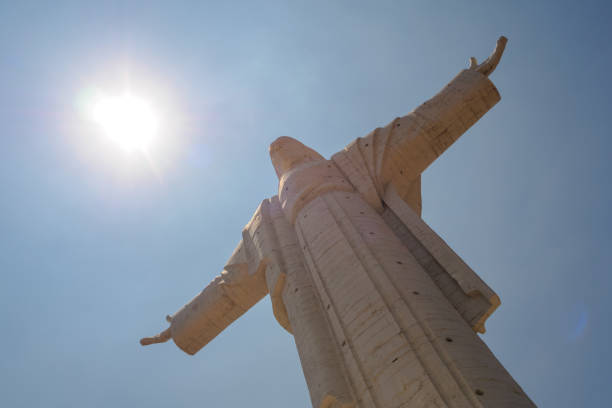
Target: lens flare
x=579, y=320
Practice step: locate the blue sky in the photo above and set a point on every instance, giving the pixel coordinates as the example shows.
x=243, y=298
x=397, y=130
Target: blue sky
x=98, y=245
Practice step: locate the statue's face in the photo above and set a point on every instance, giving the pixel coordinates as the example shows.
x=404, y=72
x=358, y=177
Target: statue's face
x=287, y=153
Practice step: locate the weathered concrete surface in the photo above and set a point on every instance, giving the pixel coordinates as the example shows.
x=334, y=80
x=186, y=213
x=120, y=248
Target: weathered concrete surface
x=383, y=312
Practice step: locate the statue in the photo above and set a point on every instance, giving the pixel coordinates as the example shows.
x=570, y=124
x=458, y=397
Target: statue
x=383, y=312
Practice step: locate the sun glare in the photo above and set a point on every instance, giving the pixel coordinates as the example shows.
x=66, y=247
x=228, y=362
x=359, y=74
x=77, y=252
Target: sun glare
x=127, y=120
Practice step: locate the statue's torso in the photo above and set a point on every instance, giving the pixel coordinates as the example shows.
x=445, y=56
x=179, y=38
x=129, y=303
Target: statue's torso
x=399, y=337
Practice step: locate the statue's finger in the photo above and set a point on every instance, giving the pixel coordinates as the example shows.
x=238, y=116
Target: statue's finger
x=159, y=338
x=489, y=65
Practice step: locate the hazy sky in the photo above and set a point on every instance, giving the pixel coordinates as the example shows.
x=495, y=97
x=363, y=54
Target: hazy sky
x=98, y=245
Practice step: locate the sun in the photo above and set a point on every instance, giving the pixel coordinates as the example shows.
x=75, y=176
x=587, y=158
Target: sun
x=128, y=120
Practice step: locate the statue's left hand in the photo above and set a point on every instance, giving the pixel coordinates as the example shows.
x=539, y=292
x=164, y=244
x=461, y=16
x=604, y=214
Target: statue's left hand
x=158, y=338
x=489, y=65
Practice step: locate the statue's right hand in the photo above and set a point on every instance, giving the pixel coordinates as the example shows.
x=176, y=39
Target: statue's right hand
x=489, y=65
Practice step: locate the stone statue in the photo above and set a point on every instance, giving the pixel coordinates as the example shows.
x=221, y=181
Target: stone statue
x=383, y=312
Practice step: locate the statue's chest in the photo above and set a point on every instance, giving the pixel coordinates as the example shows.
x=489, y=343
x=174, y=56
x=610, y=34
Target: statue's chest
x=307, y=182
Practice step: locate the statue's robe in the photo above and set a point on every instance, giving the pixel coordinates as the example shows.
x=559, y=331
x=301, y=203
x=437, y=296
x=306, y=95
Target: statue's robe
x=383, y=312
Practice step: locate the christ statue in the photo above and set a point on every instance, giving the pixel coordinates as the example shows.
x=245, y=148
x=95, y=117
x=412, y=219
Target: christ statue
x=384, y=314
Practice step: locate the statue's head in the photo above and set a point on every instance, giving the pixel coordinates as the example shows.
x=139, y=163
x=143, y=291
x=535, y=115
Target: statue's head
x=287, y=153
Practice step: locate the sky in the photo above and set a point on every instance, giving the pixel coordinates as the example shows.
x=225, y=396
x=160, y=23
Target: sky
x=97, y=244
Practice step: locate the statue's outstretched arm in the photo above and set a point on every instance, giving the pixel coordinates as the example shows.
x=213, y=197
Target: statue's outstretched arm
x=399, y=152
x=419, y=138
x=240, y=286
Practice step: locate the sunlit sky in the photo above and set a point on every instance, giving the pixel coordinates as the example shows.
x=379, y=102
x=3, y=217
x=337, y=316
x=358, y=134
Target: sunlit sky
x=99, y=242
